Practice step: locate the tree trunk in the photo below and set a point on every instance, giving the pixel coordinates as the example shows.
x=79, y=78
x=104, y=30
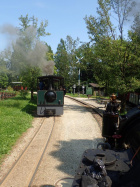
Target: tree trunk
x=123, y=103
x=106, y=88
x=32, y=95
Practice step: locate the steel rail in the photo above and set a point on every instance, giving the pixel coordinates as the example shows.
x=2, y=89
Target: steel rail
x=36, y=169
x=97, y=114
x=96, y=109
x=25, y=150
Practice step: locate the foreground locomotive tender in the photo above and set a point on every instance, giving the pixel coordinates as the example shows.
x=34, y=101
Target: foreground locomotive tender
x=50, y=95
x=117, y=162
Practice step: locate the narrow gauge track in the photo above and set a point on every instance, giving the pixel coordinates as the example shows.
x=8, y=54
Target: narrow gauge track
x=32, y=156
x=97, y=113
x=20, y=175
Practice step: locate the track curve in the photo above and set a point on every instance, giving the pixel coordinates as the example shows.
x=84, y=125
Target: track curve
x=96, y=111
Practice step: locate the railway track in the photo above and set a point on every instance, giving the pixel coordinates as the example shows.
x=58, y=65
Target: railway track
x=25, y=169
x=96, y=111
x=36, y=148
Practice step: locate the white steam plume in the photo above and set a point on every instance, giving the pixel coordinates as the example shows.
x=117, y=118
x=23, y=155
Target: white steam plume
x=29, y=50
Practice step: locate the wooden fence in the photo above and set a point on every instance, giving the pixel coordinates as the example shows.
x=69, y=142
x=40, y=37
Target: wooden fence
x=6, y=95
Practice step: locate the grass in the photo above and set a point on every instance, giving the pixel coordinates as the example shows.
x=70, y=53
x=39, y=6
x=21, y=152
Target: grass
x=6, y=91
x=76, y=95
x=15, y=118
x=85, y=96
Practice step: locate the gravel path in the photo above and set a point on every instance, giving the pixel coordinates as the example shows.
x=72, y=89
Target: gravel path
x=93, y=101
x=74, y=132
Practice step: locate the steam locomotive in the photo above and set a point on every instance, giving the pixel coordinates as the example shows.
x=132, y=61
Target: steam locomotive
x=50, y=95
x=116, y=162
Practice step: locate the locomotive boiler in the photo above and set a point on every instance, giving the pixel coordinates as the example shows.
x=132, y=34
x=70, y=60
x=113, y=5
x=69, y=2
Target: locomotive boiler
x=50, y=95
x=116, y=162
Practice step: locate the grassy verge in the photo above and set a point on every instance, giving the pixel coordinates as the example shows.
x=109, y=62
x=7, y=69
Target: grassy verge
x=76, y=95
x=85, y=96
x=15, y=118
x=6, y=91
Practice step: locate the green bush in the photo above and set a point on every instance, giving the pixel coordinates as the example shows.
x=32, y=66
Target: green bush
x=9, y=88
x=23, y=93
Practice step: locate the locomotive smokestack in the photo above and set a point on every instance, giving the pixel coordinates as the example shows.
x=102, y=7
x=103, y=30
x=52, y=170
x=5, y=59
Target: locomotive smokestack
x=50, y=84
x=50, y=87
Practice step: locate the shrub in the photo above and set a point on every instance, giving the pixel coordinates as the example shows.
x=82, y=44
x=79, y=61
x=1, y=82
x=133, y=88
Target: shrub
x=23, y=93
x=9, y=88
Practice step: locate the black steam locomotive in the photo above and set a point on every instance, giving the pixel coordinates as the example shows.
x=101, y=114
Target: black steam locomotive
x=116, y=162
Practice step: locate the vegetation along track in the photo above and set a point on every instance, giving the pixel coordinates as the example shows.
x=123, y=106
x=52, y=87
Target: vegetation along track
x=96, y=112
x=24, y=169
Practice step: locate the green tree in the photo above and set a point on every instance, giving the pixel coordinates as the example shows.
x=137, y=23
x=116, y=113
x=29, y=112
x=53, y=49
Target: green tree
x=29, y=53
x=3, y=80
x=114, y=55
x=2, y=64
x=71, y=47
x=27, y=22
x=86, y=53
x=65, y=60
x=29, y=78
x=5, y=65
x=49, y=55
x=61, y=61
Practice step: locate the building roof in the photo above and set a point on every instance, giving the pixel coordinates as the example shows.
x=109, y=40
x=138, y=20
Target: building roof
x=16, y=82
x=94, y=85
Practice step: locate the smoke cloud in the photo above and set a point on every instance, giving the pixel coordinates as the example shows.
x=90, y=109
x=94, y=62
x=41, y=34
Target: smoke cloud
x=27, y=49
x=8, y=29
x=135, y=9
x=134, y=12
x=10, y=34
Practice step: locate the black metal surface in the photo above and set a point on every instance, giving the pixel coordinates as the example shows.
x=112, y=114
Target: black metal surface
x=109, y=124
x=116, y=164
x=122, y=165
x=50, y=96
x=50, y=112
x=105, y=156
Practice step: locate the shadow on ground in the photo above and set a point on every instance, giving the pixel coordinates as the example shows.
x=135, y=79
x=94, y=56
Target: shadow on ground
x=69, y=153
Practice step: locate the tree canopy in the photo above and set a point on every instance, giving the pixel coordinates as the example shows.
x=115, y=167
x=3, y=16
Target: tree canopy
x=116, y=59
x=65, y=60
x=29, y=57
x=109, y=59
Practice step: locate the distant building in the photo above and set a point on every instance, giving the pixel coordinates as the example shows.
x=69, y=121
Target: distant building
x=97, y=90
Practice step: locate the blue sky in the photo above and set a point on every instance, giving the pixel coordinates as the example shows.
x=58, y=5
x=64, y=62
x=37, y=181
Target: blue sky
x=64, y=17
